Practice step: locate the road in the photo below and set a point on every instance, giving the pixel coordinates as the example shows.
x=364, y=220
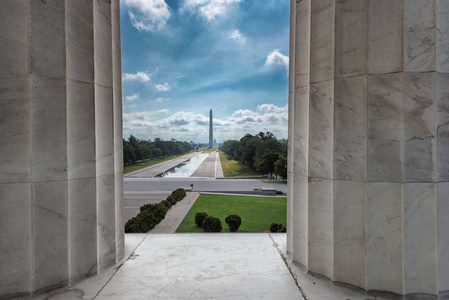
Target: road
x=199, y=184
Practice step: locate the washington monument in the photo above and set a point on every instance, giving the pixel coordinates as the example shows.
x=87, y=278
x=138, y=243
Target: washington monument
x=211, y=131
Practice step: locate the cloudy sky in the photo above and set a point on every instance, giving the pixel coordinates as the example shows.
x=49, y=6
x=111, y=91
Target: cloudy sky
x=181, y=58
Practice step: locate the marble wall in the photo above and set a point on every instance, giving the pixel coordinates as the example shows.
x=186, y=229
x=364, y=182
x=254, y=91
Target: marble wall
x=369, y=159
x=61, y=187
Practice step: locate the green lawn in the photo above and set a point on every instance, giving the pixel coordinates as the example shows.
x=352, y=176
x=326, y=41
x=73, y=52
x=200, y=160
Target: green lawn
x=275, y=181
x=144, y=164
x=233, y=168
x=257, y=213
x=207, y=149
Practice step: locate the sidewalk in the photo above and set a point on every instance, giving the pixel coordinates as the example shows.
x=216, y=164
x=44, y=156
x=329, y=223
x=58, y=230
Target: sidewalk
x=175, y=215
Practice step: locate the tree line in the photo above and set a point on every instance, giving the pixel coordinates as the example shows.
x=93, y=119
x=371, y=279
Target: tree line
x=261, y=152
x=135, y=150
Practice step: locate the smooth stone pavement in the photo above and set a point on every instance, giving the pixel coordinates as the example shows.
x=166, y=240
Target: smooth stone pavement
x=157, y=169
x=205, y=266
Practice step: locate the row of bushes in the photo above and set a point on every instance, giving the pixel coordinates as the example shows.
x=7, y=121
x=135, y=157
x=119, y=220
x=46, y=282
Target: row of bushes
x=212, y=224
x=151, y=214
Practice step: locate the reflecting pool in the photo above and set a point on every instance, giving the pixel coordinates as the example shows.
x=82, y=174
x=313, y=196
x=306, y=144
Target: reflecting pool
x=186, y=168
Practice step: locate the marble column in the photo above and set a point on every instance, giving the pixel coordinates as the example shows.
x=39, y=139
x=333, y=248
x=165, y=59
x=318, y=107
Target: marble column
x=369, y=94
x=61, y=187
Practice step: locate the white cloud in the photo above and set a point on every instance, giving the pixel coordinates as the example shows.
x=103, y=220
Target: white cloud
x=139, y=76
x=244, y=113
x=236, y=35
x=272, y=108
x=209, y=9
x=187, y=126
x=162, y=87
x=275, y=57
x=148, y=15
x=160, y=100
x=132, y=97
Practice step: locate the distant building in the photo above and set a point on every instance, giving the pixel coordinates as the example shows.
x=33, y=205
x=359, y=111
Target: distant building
x=215, y=142
x=211, y=130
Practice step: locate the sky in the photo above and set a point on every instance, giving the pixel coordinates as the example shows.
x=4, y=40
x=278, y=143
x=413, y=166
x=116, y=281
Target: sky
x=181, y=58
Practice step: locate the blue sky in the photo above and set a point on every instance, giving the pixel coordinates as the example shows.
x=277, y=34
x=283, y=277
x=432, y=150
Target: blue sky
x=181, y=58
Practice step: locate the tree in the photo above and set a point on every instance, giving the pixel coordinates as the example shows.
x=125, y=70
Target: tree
x=246, y=150
x=129, y=156
x=266, y=164
x=229, y=147
x=280, y=166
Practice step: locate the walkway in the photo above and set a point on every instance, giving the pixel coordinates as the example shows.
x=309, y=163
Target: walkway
x=175, y=215
x=211, y=167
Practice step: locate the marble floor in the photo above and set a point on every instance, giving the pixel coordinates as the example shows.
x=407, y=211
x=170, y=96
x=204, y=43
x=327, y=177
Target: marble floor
x=205, y=266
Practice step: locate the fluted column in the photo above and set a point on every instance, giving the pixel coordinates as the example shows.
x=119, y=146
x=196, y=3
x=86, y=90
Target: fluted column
x=370, y=127
x=15, y=148
x=61, y=188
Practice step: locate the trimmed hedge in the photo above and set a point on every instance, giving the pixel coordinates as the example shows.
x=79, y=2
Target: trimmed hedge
x=199, y=218
x=179, y=194
x=151, y=214
x=212, y=224
x=234, y=222
x=275, y=227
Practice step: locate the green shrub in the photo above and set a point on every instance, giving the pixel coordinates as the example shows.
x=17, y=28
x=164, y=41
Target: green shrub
x=282, y=228
x=159, y=210
x=166, y=203
x=152, y=213
x=172, y=200
x=132, y=226
x=147, y=221
x=275, y=227
x=179, y=194
x=211, y=224
x=146, y=206
x=234, y=222
x=199, y=218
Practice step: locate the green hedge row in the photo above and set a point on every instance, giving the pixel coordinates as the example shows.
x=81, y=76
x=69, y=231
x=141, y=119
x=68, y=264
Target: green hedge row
x=212, y=224
x=151, y=214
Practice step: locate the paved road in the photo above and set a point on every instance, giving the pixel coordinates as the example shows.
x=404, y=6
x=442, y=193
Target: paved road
x=199, y=184
x=210, y=167
x=159, y=168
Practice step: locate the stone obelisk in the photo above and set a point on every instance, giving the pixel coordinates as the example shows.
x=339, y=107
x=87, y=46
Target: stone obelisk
x=211, y=131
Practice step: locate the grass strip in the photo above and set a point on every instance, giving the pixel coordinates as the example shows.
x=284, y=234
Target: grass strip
x=207, y=149
x=257, y=213
x=232, y=168
x=148, y=163
x=274, y=181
